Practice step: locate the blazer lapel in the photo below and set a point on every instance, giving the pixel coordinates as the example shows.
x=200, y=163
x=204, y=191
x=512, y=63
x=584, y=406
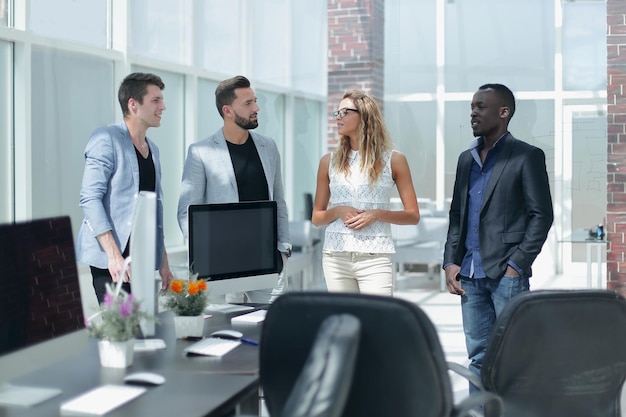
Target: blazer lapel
x=498, y=168
x=226, y=164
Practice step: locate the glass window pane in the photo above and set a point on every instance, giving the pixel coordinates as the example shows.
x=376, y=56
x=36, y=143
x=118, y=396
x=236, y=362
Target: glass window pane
x=588, y=184
x=67, y=106
x=209, y=119
x=83, y=21
x=309, y=46
x=4, y=13
x=169, y=138
x=584, y=45
x=6, y=128
x=533, y=123
x=499, y=40
x=271, y=117
x=160, y=29
x=410, y=46
x=413, y=133
x=306, y=152
x=269, y=34
x=218, y=40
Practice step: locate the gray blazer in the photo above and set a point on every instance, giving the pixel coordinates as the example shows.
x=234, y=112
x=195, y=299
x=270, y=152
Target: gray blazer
x=209, y=177
x=108, y=195
x=516, y=214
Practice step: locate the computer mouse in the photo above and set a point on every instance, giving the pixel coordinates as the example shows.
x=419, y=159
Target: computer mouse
x=227, y=334
x=144, y=378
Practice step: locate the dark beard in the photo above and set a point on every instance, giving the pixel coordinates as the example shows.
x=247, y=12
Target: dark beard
x=245, y=123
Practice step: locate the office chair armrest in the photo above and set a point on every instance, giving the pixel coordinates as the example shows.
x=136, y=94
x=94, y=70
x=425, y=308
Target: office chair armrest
x=492, y=405
x=467, y=374
x=481, y=403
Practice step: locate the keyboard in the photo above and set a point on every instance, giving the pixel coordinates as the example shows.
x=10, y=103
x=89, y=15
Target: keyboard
x=212, y=346
x=226, y=308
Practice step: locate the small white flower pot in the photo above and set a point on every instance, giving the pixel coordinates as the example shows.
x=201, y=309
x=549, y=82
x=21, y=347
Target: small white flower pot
x=189, y=326
x=116, y=354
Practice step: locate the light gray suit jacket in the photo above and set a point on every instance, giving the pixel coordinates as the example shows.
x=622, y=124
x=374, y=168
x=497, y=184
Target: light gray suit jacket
x=209, y=178
x=109, y=192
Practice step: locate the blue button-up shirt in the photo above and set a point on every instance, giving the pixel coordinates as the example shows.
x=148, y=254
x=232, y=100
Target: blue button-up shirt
x=480, y=173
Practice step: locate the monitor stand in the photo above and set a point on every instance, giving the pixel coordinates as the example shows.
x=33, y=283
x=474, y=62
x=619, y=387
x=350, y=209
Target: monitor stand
x=25, y=396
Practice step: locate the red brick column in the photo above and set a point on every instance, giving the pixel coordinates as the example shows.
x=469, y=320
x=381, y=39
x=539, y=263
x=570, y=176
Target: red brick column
x=616, y=147
x=355, y=52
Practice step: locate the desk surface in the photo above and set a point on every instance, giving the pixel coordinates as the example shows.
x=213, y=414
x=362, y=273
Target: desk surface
x=195, y=386
x=582, y=236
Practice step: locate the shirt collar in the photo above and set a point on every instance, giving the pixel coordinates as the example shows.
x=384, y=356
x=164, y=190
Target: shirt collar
x=477, y=143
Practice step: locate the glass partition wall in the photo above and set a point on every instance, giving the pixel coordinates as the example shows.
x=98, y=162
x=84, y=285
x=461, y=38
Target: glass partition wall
x=62, y=63
x=552, y=54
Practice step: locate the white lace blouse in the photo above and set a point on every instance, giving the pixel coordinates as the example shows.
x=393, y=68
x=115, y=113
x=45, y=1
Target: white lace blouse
x=355, y=190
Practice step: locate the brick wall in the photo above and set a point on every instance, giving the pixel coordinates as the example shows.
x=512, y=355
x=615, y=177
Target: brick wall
x=355, y=52
x=616, y=146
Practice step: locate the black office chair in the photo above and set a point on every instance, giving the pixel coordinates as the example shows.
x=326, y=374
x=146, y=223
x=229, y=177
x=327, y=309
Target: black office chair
x=400, y=369
x=323, y=382
x=559, y=353
x=308, y=206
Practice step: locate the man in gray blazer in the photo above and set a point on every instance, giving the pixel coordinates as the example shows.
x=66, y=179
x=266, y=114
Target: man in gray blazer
x=500, y=215
x=236, y=164
x=120, y=161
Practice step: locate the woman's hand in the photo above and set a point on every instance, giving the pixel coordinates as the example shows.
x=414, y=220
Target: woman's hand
x=361, y=219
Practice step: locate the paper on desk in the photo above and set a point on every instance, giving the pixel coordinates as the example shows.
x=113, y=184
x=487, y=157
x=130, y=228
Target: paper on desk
x=100, y=400
x=254, y=317
x=142, y=345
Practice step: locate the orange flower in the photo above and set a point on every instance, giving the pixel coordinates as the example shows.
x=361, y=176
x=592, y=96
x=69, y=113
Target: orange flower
x=176, y=286
x=202, y=285
x=192, y=289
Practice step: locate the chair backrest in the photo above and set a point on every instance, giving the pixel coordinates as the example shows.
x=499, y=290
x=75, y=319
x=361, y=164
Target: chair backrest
x=400, y=370
x=433, y=228
x=301, y=235
x=429, y=229
x=323, y=384
x=559, y=353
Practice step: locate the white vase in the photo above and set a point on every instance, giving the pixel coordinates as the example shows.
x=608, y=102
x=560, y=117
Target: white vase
x=116, y=354
x=189, y=326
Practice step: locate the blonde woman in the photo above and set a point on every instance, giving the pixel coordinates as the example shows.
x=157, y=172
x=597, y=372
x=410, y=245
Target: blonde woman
x=354, y=186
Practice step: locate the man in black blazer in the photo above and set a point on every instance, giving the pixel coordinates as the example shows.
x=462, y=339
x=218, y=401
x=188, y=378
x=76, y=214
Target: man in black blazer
x=500, y=215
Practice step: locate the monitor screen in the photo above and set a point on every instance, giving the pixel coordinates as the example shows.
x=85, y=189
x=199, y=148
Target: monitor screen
x=41, y=315
x=233, y=240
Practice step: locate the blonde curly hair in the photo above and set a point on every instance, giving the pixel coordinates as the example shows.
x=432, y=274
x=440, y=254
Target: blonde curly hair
x=373, y=137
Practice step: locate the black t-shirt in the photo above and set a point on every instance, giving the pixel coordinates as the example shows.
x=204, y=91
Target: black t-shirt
x=251, y=182
x=147, y=181
x=147, y=175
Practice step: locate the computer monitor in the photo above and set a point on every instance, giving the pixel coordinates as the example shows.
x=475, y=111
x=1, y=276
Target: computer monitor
x=41, y=315
x=143, y=257
x=234, y=245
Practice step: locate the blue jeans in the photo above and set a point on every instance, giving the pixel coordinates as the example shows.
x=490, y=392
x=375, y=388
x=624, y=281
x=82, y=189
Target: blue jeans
x=483, y=301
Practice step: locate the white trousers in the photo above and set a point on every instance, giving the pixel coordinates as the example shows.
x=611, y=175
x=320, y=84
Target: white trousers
x=368, y=273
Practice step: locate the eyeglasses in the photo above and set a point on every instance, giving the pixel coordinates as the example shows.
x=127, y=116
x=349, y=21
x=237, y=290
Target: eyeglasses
x=341, y=113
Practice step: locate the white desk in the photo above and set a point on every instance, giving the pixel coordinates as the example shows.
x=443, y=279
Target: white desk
x=582, y=236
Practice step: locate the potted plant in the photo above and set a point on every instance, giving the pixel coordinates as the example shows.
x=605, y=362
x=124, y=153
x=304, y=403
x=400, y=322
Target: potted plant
x=187, y=300
x=115, y=327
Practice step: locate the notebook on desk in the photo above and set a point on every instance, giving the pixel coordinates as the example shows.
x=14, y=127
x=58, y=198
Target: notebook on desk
x=100, y=400
x=253, y=317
